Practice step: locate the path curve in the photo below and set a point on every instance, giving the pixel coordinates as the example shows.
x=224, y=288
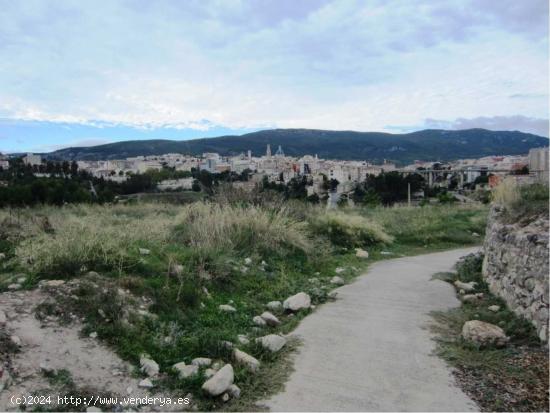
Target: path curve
x=371, y=350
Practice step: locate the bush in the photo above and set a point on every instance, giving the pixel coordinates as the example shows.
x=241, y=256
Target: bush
x=349, y=230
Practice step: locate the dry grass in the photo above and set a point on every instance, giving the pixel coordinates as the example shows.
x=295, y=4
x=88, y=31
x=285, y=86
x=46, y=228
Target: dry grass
x=507, y=192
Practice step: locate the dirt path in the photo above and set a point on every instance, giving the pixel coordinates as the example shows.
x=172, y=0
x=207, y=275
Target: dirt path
x=371, y=349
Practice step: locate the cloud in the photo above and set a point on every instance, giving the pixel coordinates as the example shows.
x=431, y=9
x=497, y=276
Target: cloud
x=334, y=64
x=497, y=123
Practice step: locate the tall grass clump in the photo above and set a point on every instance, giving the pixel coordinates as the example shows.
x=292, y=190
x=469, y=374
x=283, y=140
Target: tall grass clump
x=238, y=230
x=507, y=192
x=528, y=203
x=348, y=229
x=79, y=238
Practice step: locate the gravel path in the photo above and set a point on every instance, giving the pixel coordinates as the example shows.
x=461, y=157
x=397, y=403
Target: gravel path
x=371, y=350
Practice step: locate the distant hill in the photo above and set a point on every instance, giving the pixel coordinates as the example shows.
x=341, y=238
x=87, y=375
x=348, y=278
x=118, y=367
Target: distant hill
x=429, y=144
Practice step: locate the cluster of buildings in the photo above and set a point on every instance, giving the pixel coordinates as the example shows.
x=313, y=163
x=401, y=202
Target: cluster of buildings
x=281, y=168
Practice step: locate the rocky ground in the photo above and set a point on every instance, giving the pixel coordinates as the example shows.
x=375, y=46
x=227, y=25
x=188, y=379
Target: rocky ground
x=47, y=355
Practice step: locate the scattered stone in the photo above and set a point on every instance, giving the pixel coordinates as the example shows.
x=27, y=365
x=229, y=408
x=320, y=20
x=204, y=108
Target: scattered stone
x=101, y=313
x=313, y=307
x=332, y=295
x=462, y=292
x=243, y=339
x=93, y=335
x=272, y=342
x=247, y=261
x=337, y=280
x=225, y=398
x=227, y=308
x=220, y=381
x=201, y=361
x=205, y=291
x=185, y=370
x=2, y=256
x=246, y=359
x=259, y=321
x=46, y=368
x=472, y=298
x=270, y=319
x=148, y=366
x=21, y=280
x=494, y=308
x=361, y=253
x=146, y=384
x=482, y=333
x=14, y=286
x=339, y=270
x=465, y=286
x=274, y=305
x=297, y=302
x=144, y=251
x=217, y=365
x=209, y=373
x=313, y=280
x=234, y=391
x=3, y=318
x=15, y=340
x=475, y=234
x=92, y=274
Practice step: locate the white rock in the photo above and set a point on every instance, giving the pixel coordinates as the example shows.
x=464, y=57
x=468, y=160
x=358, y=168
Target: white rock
x=227, y=308
x=337, y=280
x=225, y=398
x=332, y=295
x=201, y=361
x=247, y=261
x=220, y=381
x=274, y=305
x=52, y=283
x=297, y=302
x=339, y=270
x=93, y=335
x=2, y=256
x=483, y=333
x=246, y=359
x=209, y=373
x=259, y=321
x=270, y=319
x=14, y=286
x=361, y=253
x=21, y=280
x=146, y=384
x=243, y=339
x=148, y=366
x=471, y=298
x=15, y=340
x=3, y=318
x=272, y=342
x=494, y=308
x=144, y=251
x=465, y=286
x=185, y=371
x=234, y=391
x=217, y=365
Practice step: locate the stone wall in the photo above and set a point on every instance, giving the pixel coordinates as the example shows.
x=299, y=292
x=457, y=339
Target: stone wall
x=516, y=267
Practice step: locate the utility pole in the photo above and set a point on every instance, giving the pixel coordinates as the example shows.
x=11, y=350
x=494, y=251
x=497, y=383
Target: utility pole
x=409, y=193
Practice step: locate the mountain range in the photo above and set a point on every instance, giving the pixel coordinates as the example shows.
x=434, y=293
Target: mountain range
x=429, y=144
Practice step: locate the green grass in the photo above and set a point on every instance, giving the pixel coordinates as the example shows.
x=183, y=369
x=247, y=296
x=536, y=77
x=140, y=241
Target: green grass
x=210, y=242
x=513, y=378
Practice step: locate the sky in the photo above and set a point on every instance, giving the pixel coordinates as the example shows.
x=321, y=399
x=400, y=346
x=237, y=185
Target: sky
x=83, y=72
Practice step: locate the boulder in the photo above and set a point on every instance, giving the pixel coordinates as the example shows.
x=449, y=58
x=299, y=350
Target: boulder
x=361, y=253
x=274, y=305
x=482, y=333
x=219, y=382
x=227, y=308
x=465, y=286
x=185, y=370
x=201, y=361
x=247, y=360
x=337, y=280
x=148, y=366
x=494, y=308
x=297, y=302
x=259, y=321
x=272, y=342
x=270, y=319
